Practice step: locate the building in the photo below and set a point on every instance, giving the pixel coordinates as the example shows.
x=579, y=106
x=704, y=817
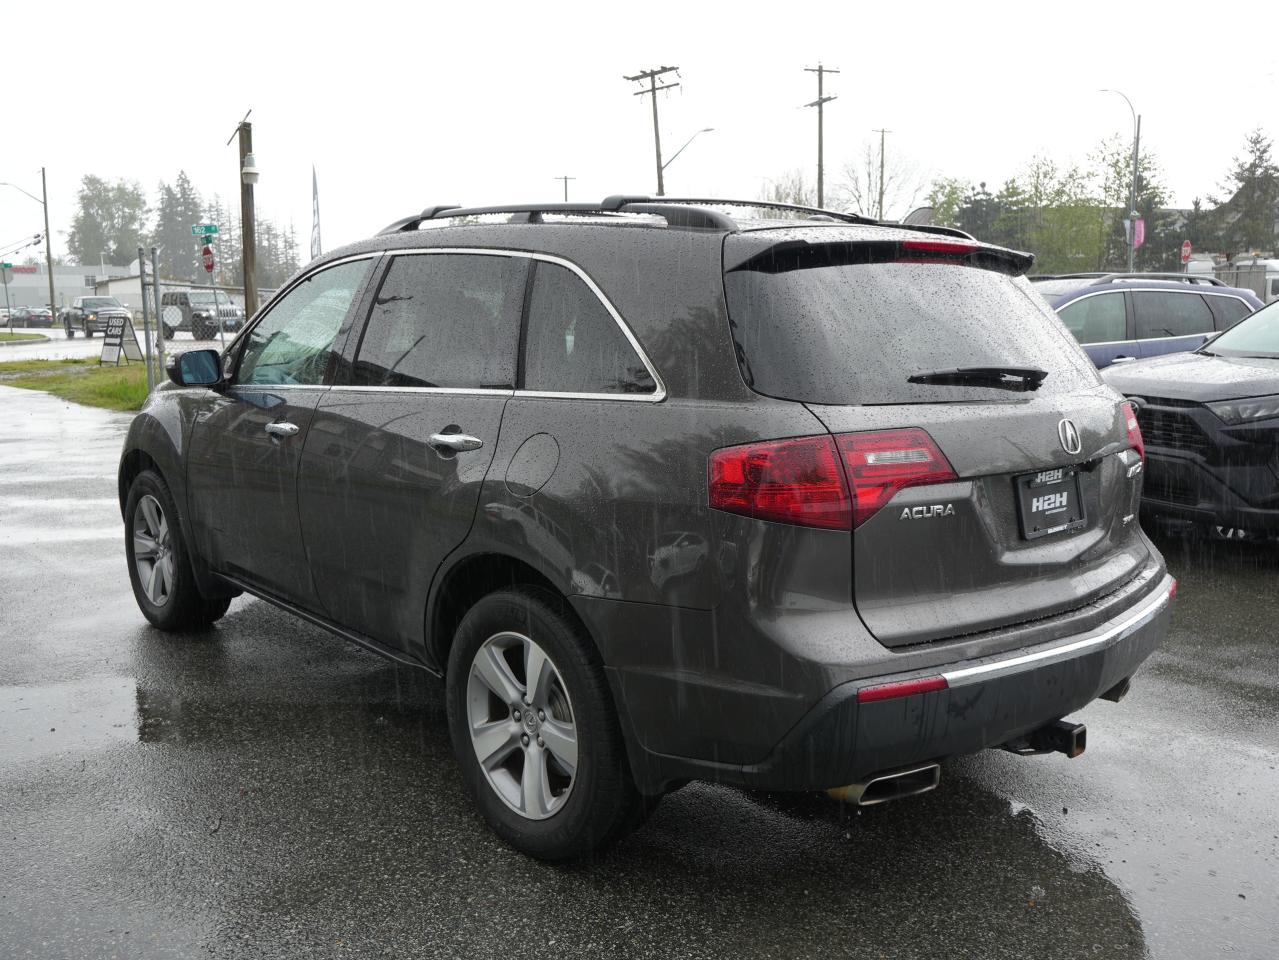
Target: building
x=29, y=286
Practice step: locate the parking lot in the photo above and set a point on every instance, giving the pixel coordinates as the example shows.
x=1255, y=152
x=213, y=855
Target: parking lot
x=266, y=789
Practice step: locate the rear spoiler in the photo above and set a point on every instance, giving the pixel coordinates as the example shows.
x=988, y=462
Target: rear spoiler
x=803, y=254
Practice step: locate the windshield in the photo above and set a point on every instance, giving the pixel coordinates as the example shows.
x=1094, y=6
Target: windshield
x=858, y=333
x=100, y=303
x=1053, y=290
x=1254, y=336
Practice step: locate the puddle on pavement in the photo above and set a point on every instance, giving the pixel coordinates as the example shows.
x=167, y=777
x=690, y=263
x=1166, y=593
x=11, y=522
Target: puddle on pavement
x=60, y=718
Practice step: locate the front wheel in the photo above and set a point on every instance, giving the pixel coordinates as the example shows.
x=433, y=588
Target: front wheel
x=159, y=564
x=534, y=728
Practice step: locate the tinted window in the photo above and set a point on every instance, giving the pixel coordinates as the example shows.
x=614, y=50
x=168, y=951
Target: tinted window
x=573, y=344
x=855, y=333
x=293, y=343
x=444, y=320
x=1096, y=319
x=1257, y=336
x=1170, y=314
x=1232, y=310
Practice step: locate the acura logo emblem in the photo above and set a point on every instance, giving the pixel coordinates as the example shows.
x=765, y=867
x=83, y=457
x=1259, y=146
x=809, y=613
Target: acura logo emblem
x=1069, y=436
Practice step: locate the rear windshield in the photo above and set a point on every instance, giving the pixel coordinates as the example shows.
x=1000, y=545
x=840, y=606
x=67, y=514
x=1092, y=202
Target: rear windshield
x=855, y=333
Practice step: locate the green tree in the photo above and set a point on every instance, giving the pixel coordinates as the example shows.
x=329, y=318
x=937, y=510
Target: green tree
x=178, y=209
x=110, y=221
x=1113, y=162
x=947, y=196
x=1249, y=215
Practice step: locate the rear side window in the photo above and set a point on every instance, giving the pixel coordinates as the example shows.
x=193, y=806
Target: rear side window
x=444, y=320
x=573, y=344
x=853, y=333
x=1169, y=314
x=1231, y=309
x=1097, y=319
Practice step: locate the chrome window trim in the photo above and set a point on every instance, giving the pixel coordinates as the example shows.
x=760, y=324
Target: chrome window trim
x=467, y=391
x=658, y=394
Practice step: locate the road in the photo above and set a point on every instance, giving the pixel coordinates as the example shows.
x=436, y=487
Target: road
x=266, y=790
x=58, y=347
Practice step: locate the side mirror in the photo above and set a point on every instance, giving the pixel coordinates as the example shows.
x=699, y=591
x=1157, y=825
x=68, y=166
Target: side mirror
x=195, y=368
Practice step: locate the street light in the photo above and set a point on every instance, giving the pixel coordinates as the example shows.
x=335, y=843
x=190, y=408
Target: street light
x=686, y=143
x=48, y=237
x=1132, y=195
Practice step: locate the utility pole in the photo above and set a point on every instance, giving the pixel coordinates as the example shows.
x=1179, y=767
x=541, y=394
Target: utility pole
x=1132, y=211
x=48, y=242
x=879, y=211
x=566, y=180
x=653, y=86
x=248, y=232
x=821, y=171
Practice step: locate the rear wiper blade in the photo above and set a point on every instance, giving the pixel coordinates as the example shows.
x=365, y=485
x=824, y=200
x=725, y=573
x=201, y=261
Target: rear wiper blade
x=1001, y=378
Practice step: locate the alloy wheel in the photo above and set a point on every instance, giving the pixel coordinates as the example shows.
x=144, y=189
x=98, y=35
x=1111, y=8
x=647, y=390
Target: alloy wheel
x=522, y=726
x=153, y=550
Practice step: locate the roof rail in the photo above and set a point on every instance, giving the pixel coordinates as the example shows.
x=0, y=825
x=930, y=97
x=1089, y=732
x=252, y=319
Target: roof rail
x=677, y=211
x=1175, y=277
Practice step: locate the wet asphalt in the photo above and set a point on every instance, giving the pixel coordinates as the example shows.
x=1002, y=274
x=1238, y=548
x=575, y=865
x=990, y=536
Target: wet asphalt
x=266, y=790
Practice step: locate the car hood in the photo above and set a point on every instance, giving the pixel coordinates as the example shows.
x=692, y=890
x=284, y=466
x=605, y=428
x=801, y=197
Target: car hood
x=1195, y=376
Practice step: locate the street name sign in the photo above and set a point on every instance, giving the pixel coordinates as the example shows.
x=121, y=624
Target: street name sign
x=203, y=229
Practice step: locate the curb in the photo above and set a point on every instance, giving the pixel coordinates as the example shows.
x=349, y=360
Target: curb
x=25, y=343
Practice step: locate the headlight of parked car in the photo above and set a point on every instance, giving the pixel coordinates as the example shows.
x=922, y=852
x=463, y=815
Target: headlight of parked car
x=1246, y=410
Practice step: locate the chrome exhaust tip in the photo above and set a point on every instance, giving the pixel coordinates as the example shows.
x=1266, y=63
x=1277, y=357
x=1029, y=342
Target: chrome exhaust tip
x=891, y=785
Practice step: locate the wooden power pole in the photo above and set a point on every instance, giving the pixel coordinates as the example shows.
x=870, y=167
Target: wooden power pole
x=566, y=179
x=248, y=231
x=821, y=170
x=879, y=209
x=653, y=86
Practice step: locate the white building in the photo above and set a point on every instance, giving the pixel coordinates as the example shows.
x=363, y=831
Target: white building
x=29, y=285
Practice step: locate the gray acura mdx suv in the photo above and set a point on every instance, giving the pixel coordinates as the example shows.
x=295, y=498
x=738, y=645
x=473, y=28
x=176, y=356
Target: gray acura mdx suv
x=666, y=494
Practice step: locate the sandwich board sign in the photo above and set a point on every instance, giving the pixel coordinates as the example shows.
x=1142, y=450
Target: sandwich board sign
x=119, y=339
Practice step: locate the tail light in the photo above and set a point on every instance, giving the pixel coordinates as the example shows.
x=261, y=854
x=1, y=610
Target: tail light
x=1134, y=429
x=832, y=482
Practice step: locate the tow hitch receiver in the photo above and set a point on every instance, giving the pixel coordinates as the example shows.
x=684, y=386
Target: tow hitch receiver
x=1060, y=736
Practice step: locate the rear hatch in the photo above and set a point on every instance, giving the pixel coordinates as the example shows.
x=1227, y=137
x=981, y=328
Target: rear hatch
x=993, y=476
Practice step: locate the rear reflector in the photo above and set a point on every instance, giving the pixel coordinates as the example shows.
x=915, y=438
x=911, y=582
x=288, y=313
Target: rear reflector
x=803, y=481
x=1135, y=439
x=1172, y=591
x=902, y=688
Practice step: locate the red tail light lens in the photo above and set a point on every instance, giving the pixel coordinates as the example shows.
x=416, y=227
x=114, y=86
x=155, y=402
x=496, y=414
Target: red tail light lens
x=803, y=480
x=939, y=246
x=1134, y=428
x=885, y=461
x=790, y=481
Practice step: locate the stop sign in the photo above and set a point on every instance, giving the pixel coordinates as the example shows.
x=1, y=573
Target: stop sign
x=208, y=259
x=1185, y=252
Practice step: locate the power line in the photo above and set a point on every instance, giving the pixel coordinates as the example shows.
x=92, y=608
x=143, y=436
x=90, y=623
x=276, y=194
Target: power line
x=818, y=103
x=652, y=77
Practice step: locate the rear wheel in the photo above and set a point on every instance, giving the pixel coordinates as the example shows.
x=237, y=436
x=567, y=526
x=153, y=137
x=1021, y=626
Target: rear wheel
x=534, y=729
x=159, y=564
x=168, y=332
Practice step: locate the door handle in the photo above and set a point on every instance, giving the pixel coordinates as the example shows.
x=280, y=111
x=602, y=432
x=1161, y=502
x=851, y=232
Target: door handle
x=1122, y=359
x=282, y=429
x=456, y=441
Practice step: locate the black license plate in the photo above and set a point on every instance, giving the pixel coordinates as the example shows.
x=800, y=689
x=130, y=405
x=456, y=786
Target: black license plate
x=1048, y=502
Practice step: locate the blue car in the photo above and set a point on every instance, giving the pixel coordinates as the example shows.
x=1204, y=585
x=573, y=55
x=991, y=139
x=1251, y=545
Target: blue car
x=1121, y=317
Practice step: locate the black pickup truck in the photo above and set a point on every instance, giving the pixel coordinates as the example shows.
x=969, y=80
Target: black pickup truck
x=90, y=314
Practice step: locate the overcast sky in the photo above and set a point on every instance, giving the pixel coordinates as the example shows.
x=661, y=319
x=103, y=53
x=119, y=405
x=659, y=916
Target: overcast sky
x=401, y=105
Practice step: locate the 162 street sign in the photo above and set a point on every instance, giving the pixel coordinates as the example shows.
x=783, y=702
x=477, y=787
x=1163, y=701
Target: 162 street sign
x=204, y=229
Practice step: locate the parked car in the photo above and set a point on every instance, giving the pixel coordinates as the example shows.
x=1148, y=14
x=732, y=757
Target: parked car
x=37, y=317
x=1211, y=425
x=1121, y=317
x=199, y=313
x=90, y=315
x=917, y=499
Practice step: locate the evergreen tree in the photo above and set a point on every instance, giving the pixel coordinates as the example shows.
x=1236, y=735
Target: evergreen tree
x=1248, y=221
x=109, y=221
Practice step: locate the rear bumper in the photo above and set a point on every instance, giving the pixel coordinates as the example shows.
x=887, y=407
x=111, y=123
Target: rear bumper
x=986, y=702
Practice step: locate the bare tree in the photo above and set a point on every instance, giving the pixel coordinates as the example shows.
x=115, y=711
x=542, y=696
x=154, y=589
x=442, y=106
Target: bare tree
x=857, y=189
x=790, y=187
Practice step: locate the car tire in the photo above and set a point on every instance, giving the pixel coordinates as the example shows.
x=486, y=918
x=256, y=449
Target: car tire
x=572, y=814
x=70, y=331
x=88, y=332
x=159, y=564
x=168, y=332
